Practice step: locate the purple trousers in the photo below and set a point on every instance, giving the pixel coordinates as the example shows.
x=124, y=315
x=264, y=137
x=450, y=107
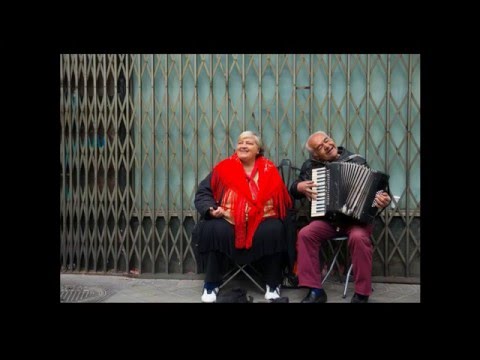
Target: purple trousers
x=313, y=236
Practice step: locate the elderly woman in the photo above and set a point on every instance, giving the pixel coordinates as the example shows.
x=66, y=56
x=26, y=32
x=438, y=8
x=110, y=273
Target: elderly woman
x=243, y=201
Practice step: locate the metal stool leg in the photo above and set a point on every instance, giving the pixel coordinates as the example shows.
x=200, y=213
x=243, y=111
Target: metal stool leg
x=253, y=280
x=340, y=239
x=240, y=268
x=346, y=281
x=332, y=264
x=236, y=271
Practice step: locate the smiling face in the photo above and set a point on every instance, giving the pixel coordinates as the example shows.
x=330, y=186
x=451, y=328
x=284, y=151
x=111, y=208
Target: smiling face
x=247, y=148
x=324, y=148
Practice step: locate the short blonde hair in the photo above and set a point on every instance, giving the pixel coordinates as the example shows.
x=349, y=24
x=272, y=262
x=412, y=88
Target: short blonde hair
x=251, y=134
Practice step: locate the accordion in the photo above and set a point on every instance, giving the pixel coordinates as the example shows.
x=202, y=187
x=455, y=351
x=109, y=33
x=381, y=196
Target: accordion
x=347, y=188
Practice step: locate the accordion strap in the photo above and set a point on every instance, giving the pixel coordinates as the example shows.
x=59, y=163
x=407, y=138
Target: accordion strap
x=348, y=158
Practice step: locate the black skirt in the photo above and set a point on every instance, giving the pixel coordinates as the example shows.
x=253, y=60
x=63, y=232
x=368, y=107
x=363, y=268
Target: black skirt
x=219, y=235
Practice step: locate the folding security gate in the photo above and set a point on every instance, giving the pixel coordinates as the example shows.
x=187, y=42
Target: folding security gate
x=138, y=133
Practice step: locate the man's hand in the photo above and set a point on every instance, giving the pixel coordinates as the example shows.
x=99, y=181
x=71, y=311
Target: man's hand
x=308, y=188
x=382, y=199
x=216, y=213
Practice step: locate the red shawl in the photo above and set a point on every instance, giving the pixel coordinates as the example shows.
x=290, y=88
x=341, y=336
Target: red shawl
x=229, y=177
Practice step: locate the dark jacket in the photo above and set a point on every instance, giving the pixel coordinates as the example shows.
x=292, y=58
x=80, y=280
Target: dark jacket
x=306, y=170
x=204, y=198
x=306, y=174
x=203, y=201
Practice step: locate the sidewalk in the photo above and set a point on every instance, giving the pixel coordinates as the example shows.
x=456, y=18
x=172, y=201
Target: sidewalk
x=120, y=289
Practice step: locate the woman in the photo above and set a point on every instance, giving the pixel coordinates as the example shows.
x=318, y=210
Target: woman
x=243, y=201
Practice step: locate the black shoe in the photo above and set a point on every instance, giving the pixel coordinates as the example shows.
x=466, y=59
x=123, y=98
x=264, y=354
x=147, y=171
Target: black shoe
x=312, y=298
x=359, y=299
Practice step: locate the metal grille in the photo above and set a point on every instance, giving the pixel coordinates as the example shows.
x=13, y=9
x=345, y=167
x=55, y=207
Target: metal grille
x=81, y=294
x=138, y=133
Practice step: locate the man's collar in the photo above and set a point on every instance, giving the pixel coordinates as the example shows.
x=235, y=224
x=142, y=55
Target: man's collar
x=340, y=150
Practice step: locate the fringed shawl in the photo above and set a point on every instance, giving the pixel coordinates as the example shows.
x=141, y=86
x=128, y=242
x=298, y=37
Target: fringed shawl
x=229, y=181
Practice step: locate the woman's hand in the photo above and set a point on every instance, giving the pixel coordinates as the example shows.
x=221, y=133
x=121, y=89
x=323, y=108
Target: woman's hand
x=216, y=213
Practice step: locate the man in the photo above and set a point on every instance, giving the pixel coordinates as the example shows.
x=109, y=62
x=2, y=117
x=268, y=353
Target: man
x=323, y=150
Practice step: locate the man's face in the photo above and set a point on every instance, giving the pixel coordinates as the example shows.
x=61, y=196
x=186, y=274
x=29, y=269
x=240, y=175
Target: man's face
x=324, y=148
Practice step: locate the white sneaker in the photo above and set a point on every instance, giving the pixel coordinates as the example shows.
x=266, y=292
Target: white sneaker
x=272, y=294
x=209, y=296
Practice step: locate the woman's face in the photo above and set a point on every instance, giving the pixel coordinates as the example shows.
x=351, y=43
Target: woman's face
x=247, y=149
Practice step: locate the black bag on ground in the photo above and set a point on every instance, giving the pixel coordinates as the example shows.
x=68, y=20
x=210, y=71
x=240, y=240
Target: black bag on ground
x=235, y=295
x=283, y=299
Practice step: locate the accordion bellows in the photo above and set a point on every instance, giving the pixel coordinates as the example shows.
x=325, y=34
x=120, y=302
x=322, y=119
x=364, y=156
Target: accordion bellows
x=347, y=188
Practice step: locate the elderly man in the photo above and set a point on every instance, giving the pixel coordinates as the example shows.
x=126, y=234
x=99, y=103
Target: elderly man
x=323, y=150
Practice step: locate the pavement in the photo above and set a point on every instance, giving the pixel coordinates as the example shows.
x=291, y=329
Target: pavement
x=78, y=288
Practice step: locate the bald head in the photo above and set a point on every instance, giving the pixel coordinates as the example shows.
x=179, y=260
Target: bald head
x=322, y=147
